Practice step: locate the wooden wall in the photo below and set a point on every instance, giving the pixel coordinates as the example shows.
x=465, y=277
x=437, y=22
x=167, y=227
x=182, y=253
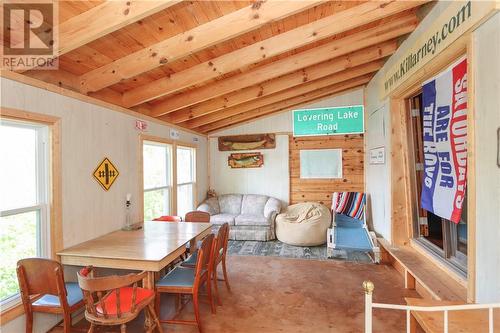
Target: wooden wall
x=302, y=190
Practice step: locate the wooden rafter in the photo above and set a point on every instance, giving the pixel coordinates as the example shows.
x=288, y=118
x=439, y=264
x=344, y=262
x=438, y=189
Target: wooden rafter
x=288, y=104
x=104, y=19
x=305, y=88
x=289, y=64
x=284, y=82
x=328, y=26
x=68, y=80
x=191, y=41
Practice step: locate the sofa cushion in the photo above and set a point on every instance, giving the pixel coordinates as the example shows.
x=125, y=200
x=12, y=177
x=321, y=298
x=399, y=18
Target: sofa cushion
x=253, y=204
x=222, y=218
x=247, y=219
x=272, y=208
x=230, y=204
x=211, y=206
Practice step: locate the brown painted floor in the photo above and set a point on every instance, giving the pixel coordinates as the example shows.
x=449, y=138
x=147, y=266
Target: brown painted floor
x=292, y=295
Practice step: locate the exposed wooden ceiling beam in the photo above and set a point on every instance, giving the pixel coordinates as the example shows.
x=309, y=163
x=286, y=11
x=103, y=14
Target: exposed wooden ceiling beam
x=70, y=81
x=191, y=41
x=284, y=82
x=314, y=31
x=104, y=19
x=286, y=109
x=288, y=104
x=286, y=94
x=307, y=58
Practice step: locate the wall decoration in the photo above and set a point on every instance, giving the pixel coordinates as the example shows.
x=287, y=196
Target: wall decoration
x=106, y=174
x=320, y=163
x=247, y=142
x=329, y=121
x=377, y=155
x=245, y=160
x=141, y=125
x=444, y=101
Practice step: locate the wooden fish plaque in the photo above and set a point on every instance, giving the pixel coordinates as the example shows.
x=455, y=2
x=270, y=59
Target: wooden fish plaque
x=245, y=160
x=247, y=142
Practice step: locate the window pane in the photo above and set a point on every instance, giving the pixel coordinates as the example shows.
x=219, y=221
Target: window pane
x=156, y=165
x=185, y=165
x=156, y=204
x=18, y=177
x=18, y=239
x=185, y=201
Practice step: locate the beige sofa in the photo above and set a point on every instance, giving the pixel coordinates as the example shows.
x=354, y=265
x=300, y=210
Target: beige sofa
x=250, y=216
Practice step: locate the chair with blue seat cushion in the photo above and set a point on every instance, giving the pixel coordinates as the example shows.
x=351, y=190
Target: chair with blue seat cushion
x=45, y=277
x=74, y=295
x=196, y=217
x=187, y=281
x=220, y=251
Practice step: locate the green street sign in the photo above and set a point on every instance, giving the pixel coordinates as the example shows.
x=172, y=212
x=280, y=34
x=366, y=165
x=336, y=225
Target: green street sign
x=329, y=121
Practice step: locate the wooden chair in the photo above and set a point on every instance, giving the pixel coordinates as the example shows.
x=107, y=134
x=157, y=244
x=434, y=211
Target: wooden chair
x=168, y=218
x=220, y=251
x=197, y=216
x=187, y=281
x=116, y=300
x=42, y=286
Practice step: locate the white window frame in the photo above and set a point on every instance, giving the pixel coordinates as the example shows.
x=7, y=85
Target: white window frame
x=169, y=167
x=42, y=206
x=193, y=181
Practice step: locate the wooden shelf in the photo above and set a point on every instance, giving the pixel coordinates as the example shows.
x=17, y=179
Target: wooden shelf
x=430, y=280
x=459, y=321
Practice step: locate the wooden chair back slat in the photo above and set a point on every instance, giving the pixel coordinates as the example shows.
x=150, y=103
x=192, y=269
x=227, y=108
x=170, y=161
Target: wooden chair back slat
x=222, y=235
x=102, y=304
x=197, y=216
x=118, y=307
x=106, y=283
x=134, y=297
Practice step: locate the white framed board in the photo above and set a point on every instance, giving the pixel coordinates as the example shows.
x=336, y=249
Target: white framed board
x=321, y=163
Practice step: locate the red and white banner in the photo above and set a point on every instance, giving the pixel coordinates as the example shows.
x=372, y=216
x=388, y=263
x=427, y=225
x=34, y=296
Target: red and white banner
x=445, y=142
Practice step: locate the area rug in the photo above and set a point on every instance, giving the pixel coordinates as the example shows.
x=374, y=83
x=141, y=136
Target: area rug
x=279, y=249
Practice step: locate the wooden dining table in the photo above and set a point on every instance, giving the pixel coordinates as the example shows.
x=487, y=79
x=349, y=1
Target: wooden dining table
x=151, y=248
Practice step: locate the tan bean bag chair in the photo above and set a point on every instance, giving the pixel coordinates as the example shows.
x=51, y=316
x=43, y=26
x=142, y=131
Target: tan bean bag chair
x=304, y=224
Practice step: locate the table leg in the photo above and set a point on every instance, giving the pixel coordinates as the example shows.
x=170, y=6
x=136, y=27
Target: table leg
x=148, y=283
x=193, y=245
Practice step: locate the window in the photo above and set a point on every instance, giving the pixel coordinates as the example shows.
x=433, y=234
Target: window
x=441, y=236
x=186, y=179
x=157, y=160
x=24, y=200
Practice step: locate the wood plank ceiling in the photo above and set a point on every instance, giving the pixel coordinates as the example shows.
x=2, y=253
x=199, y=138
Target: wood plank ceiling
x=207, y=65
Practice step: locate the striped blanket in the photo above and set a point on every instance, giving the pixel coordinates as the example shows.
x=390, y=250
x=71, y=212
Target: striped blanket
x=349, y=203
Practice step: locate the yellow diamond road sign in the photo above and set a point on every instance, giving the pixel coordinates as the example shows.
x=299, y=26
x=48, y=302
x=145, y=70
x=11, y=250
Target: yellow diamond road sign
x=106, y=173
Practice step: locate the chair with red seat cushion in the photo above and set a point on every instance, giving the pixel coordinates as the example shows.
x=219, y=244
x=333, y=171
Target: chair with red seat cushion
x=45, y=277
x=116, y=300
x=168, y=218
